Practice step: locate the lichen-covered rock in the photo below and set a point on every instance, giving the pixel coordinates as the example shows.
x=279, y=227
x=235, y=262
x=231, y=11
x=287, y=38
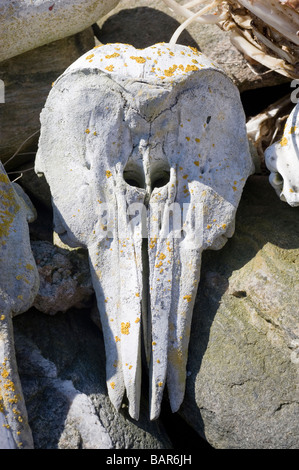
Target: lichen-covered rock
x=242, y=387
x=65, y=279
x=27, y=80
x=18, y=286
x=28, y=25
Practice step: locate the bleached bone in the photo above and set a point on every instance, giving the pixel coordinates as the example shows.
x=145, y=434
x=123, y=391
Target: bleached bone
x=19, y=283
x=129, y=139
x=282, y=159
x=26, y=25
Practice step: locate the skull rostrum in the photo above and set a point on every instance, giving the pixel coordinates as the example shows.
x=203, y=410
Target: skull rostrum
x=146, y=155
x=282, y=159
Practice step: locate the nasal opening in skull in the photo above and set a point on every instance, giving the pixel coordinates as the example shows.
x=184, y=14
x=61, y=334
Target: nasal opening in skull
x=134, y=175
x=159, y=174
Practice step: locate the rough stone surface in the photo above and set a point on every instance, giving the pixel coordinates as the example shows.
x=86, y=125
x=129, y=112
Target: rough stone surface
x=282, y=159
x=242, y=388
x=18, y=286
x=61, y=360
x=65, y=279
x=155, y=127
x=27, y=80
x=27, y=25
x=157, y=23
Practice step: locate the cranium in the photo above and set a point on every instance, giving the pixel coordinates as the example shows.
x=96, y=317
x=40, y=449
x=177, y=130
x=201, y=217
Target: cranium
x=19, y=283
x=131, y=140
x=282, y=159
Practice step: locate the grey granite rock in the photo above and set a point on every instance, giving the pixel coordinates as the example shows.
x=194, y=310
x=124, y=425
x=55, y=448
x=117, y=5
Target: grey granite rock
x=65, y=279
x=28, y=79
x=62, y=358
x=242, y=390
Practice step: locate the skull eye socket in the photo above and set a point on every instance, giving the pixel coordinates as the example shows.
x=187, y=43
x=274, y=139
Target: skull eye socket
x=134, y=176
x=278, y=179
x=159, y=174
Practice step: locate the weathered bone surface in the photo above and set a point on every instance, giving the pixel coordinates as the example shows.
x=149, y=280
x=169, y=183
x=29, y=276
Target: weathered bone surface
x=26, y=25
x=131, y=141
x=18, y=286
x=282, y=159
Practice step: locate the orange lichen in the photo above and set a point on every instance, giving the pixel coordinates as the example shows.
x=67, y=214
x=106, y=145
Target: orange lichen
x=139, y=60
x=188, y=298
x=190, y=68
x=125, y=328
x=169, y=72
x=109, y=68
x=112, y=55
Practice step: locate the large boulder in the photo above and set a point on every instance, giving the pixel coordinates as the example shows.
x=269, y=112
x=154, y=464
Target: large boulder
x=242, y=390
x=61, y=363
x=28, y=25
x=28, y=80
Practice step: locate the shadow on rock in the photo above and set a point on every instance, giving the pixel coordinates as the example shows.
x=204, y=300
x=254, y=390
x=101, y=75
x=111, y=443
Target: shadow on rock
x=143, y=27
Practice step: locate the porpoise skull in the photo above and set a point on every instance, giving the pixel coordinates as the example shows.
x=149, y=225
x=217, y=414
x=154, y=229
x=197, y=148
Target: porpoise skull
x=146, y=155
x=282, y=159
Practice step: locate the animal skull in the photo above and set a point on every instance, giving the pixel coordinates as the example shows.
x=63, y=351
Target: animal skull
x=131, y=141
x=282, y=159
x=19, y=282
